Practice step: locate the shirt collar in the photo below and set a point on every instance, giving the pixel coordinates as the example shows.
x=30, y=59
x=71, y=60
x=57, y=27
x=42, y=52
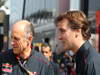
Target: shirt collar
x=83, y=50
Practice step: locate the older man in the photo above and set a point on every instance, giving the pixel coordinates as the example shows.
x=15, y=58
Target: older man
x=22, y=59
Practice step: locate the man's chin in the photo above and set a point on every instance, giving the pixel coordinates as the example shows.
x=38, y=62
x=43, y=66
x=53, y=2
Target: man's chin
x=15, y=51
x=15, y=48
x=65, y=49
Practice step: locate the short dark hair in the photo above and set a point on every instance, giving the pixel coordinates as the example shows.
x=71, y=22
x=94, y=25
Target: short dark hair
x=45, y=45
x=77, y=20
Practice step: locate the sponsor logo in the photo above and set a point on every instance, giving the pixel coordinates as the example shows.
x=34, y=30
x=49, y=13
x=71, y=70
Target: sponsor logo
x=6, y=67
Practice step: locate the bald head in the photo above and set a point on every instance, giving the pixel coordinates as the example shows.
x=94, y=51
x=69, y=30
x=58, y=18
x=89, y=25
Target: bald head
x=20, y=25
x=23, y=26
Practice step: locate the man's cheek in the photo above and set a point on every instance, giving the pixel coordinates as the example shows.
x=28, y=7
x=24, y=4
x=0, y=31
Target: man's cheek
x=24, y=44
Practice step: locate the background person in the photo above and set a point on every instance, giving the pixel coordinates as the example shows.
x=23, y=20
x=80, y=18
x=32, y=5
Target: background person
x=47, y=52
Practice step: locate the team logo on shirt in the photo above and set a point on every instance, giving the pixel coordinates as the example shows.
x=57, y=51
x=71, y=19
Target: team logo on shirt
x=6, y=67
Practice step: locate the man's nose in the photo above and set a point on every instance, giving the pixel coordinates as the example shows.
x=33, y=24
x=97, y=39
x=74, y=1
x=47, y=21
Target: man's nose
x=59, y=36
x=12, y=42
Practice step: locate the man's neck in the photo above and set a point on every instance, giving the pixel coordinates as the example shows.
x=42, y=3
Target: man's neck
x=79, y=44
x=26, y=53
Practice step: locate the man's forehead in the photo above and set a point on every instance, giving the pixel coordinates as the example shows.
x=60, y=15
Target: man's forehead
x=17, y=32
x=46, y=48
x=17, y=28
x=64, y=22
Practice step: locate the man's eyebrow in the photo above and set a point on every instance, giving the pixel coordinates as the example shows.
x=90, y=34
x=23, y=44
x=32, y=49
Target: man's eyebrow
x=16, y=38
x=62, y=29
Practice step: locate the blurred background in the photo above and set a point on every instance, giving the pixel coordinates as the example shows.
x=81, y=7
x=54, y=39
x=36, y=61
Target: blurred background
x=42, y=14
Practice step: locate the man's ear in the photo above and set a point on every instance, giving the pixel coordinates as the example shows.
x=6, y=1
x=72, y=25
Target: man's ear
x=30, y=38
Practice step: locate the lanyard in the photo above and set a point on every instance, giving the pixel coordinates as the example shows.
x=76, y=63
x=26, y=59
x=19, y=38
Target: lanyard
x=24, y=68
